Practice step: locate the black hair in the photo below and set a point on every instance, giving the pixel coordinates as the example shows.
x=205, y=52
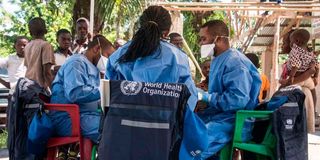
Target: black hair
x=62, y=31
x=174, y=35
x=302, y=34
x=288, y=34
x=37, y=27
x=217, y=28
x=254, y=59
x=18, y=38
x=153, y=22
x=104, y=42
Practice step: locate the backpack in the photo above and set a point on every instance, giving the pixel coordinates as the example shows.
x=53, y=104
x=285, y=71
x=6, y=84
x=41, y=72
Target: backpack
x=25, y=102
x=290, y=125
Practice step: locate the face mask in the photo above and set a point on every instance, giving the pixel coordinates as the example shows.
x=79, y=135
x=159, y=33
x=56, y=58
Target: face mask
x=207, y=50
x=102, y=64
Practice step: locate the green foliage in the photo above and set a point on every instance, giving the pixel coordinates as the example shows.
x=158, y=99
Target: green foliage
x=57, y=15
x=282, y=58
x=189, y=32
x=3, y=139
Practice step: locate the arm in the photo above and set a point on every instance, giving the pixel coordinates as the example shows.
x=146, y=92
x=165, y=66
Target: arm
x=304, y=76
x=237, y=82
x=48, y=59
x=315, y=76
x=291, y=75
x=78, y=86
x=110, y=72
x=186, y=78
x=316, y=71
x=48, y=76
x=4, y=64
x=5, y=83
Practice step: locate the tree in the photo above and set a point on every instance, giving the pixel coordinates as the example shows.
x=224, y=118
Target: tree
x=55, y=13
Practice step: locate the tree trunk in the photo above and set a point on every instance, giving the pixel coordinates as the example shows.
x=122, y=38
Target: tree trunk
x=82, y=9
x=118, y=20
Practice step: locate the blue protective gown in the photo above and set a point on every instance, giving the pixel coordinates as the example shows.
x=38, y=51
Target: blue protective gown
x=234, y=84
x=167, y=64
x=77, y=82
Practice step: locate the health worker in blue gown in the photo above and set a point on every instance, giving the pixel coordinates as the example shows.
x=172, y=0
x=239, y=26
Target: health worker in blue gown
x=77, y=82
x=234, y=84
x=148, y=58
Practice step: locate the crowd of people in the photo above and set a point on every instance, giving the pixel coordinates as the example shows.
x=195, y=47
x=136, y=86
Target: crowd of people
x=232, y=82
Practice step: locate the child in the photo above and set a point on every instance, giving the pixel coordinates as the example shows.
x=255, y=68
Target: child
x=39, y=56
x=64, y=51
x=300, y=59
x=265, y=85
x=205, y=67
x=14, y=64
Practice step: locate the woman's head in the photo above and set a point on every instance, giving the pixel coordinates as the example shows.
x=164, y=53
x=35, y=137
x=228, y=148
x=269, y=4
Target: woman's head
x=155, y=23
x=286, y=47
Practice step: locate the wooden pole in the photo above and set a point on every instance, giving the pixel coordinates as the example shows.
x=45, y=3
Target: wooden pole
x=241, y=4
x=286, y=17
x=274, y=71
x=91, y=17
x=193, y=59
x=228, y=8
x=289, y=27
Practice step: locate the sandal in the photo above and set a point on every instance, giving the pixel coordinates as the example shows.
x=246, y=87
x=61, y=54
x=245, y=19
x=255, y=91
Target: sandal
x=72, y=156
x=62, y=156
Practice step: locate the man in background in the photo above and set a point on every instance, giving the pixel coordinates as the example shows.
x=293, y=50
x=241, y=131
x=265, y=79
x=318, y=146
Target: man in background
x=177, y=40
x=83, y=36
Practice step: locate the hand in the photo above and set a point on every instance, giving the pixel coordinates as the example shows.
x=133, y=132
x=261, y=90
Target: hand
x=315, y=81
x=313, y=64
x=200, y=106
x=101, y=75
x=283, y=82
x=203, y=96
x=290, y=81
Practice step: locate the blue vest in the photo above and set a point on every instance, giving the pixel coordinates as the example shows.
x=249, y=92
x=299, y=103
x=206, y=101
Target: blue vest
x=143, y=121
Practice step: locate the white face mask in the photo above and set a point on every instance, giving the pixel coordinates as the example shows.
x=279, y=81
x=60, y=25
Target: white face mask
x=102, y=64
x=207, y=50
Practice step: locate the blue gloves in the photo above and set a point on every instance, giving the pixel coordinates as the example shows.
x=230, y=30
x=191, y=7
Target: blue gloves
x=203, y=96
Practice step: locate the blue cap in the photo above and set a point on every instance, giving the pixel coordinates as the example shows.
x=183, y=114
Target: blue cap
x=195, y=137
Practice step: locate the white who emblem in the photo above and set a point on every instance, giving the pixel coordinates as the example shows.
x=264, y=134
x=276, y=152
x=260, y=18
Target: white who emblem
x=130, y=88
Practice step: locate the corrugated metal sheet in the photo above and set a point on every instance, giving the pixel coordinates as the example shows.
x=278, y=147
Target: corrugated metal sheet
x=260, y=43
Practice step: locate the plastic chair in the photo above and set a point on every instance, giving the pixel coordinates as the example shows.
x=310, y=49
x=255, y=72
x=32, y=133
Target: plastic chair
x=225, y=152
x=266, y=148
x=55, y=142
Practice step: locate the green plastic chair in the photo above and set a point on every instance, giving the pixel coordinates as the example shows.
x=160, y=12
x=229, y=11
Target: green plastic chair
x=225, y=152
x=94, y=152
x=266, y=148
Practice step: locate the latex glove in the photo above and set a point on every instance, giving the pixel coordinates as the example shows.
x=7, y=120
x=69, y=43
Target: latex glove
x=203, y=96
